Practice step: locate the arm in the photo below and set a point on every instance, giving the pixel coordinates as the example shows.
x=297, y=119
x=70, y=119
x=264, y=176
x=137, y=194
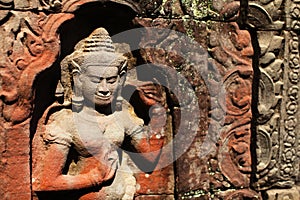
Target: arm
x=54, y=147
x=52, y=179
x=148, y=140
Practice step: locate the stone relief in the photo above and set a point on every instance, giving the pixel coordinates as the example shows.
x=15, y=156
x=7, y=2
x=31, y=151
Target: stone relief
x=277, y=143
x=78, y=143
x=30, y=44
x=228, y=162
x=291, y=140
x=51, y=4
x=233, y=145
x=23, y=55
x=26, y=50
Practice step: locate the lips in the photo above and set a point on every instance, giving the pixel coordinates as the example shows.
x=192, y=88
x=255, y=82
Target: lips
x=103, y=96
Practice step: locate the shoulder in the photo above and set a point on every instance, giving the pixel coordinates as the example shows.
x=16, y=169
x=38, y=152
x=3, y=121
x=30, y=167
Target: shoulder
x=61, y=116
x=129, y=120
x=127, y=115
x=59, y=125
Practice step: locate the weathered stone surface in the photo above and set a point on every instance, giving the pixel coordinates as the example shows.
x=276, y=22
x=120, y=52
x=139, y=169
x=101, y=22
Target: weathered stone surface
x=195, y=173
x=266, y=15
x=234, y=158
x=283, y=194
x=155, y=197
x=218, y=162
x=160, y=181
x=277, y=111
x=15, y=164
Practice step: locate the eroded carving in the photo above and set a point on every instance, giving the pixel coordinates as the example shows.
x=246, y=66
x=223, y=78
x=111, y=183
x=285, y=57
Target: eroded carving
x=269, y=94
x=224, y=151
x=6, y=4
x=27, y=50
x=234, y=142
x=51, y=4
x=279, y=79
x=77, y=147
x=266, y=14
x=289, y=164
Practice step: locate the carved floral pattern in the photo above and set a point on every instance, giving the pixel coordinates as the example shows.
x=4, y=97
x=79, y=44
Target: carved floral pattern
x=269, y=96
x=277, y=163
x=290, y=166
x=228, y=41
x=24, y=56
x=31, y=45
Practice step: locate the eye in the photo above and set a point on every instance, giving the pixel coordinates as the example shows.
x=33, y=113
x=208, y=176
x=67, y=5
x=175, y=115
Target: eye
x=111, y=79
x=94, y=79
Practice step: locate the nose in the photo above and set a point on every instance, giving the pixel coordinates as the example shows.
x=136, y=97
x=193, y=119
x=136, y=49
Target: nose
x=102, y=87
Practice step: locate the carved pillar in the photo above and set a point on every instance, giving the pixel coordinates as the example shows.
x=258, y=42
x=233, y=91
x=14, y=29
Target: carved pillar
x=277, y=140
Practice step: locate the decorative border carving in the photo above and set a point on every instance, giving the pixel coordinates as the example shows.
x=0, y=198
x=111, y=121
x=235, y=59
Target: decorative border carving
x=290, y=111
x=234, y=158
x=276, y=131
x=32, y=46
x=292, y=136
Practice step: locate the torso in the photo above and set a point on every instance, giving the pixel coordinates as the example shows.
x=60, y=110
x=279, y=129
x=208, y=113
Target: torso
x=94, y=140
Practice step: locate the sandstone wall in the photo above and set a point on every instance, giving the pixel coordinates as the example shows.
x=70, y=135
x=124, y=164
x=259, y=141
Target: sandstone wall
x=246, y=141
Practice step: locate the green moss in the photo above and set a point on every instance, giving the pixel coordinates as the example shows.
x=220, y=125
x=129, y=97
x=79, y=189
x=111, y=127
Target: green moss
x=199, y=8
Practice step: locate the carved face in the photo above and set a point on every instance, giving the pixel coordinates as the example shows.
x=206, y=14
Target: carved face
x=99, y=85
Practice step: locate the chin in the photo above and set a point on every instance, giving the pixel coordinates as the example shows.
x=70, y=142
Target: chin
x=99, y=102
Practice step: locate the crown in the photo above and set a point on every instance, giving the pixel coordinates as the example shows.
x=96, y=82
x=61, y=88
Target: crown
x=98, y=41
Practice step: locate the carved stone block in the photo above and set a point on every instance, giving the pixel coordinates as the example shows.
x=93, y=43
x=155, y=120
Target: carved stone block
x=283, y=194
x=276, y=140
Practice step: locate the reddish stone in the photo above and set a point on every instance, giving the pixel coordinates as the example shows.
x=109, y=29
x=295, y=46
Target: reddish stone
x=16, y=196
x=154, y=197
x=158, y=182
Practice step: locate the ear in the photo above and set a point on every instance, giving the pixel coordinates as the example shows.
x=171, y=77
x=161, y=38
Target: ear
x=77, y=84
x=78, y=76
x=77, y=98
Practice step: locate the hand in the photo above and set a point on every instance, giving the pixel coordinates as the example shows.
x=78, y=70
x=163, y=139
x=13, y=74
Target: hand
x=110, y=165
x=104, y=171
x=151, y=93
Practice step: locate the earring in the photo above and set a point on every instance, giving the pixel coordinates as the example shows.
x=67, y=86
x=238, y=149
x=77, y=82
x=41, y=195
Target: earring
x=77, y=102
x=77, y=98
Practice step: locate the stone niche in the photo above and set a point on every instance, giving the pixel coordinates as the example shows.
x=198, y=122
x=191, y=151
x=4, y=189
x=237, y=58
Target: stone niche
x=230, y=76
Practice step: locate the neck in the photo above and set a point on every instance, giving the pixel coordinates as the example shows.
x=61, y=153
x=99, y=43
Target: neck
x=106, y=110
x=100, y=110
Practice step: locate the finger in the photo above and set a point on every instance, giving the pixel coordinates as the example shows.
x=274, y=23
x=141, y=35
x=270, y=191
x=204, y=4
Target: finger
x=151, y=86
x=147, y=87
x=150, y=91
x=154, y=97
